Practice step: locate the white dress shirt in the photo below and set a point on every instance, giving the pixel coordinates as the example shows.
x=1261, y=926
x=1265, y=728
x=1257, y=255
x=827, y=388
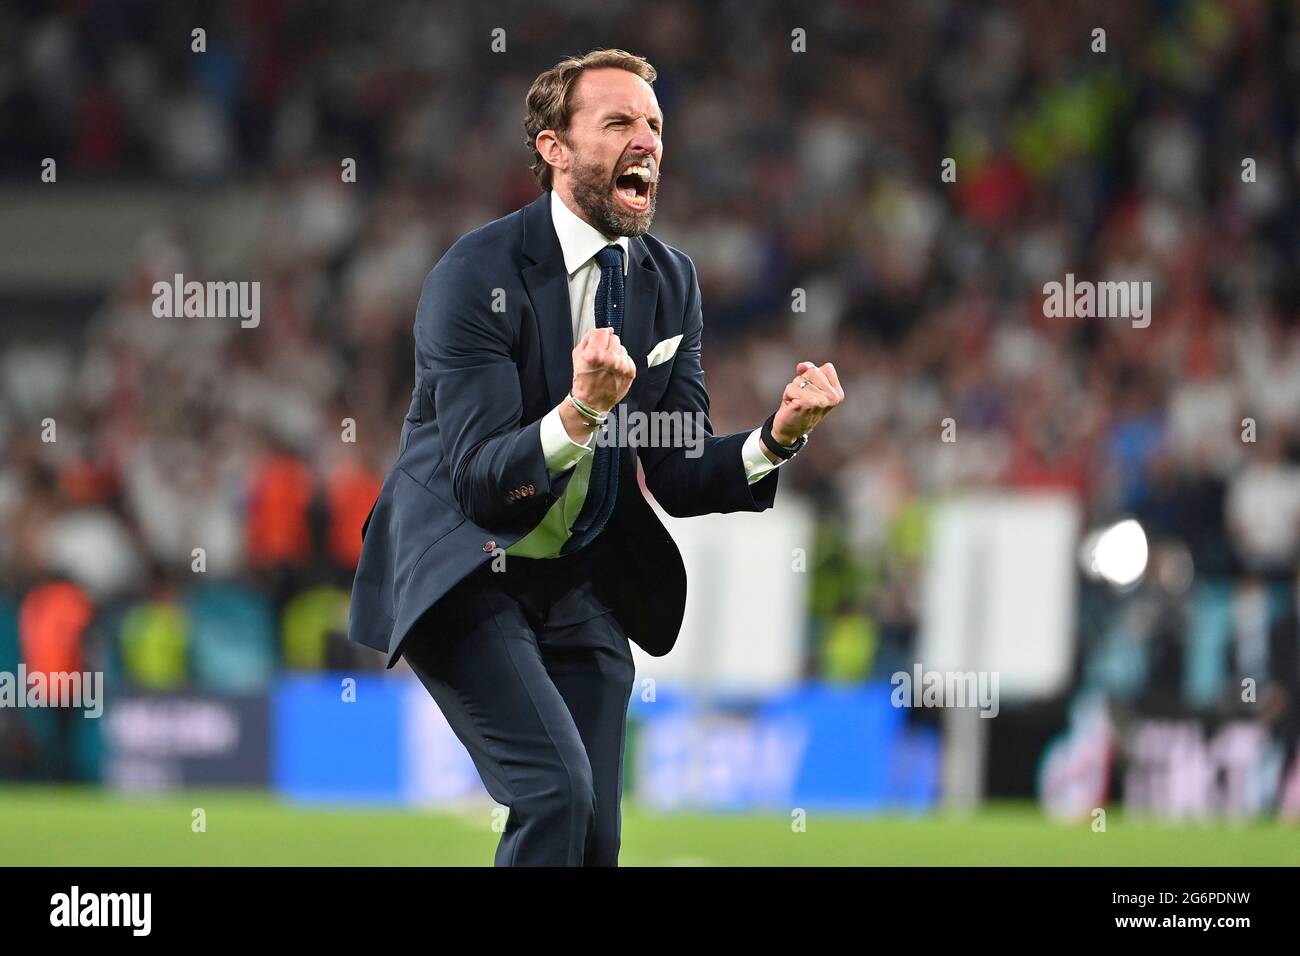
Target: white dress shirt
x=580, y=241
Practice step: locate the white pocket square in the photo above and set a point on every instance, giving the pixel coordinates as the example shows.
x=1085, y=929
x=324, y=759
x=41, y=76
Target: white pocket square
x=662, y=352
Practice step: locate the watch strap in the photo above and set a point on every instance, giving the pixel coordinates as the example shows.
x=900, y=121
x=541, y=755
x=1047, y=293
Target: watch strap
x=784, y=452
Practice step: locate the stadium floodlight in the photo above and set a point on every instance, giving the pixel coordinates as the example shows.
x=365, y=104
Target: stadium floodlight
x=1116, y=554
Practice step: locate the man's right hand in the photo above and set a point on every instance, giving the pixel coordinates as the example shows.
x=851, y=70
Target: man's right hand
x=602, y=370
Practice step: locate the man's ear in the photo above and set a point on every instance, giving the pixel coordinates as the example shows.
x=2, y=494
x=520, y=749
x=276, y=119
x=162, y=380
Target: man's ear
x=552, y=150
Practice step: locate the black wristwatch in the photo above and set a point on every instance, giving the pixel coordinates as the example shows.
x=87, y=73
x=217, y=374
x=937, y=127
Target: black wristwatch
x=784, y=452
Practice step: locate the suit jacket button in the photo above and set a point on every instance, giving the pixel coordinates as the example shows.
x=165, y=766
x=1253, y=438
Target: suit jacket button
x=531, y=489
x=489, y=545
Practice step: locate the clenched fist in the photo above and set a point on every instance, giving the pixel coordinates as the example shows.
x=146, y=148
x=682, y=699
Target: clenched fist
x=804, y=405
x=602, y=370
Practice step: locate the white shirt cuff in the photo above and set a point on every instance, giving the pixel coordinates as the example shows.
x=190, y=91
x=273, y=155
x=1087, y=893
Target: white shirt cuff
x=756, y=463
x=560, y=451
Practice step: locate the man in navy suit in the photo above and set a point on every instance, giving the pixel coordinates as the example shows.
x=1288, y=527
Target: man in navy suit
x=511, y=556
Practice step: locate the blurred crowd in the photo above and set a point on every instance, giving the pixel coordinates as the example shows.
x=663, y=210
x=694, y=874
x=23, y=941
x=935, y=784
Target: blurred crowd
x=807, y=186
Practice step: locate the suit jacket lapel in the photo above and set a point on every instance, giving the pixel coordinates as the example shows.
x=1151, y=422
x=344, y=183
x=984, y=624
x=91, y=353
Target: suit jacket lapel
x=641, y=291
x=547, y=283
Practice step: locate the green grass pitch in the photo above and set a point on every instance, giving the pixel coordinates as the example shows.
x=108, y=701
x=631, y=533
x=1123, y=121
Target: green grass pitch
x=76, y=827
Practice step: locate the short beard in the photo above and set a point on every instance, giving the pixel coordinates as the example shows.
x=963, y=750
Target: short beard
x=594, y=193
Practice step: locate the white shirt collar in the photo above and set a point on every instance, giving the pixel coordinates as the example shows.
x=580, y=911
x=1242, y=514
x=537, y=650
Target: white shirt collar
x=579, y=240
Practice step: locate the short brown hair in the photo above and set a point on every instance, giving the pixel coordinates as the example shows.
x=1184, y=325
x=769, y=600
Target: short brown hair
x=550, y=100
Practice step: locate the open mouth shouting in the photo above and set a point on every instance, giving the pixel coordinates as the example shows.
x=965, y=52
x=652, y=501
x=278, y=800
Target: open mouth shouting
x=634, y=184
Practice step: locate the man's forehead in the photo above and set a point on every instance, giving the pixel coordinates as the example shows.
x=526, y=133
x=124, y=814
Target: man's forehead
x=615, y=91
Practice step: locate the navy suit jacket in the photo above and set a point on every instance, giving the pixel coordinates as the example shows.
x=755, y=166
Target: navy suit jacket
x=493, y=354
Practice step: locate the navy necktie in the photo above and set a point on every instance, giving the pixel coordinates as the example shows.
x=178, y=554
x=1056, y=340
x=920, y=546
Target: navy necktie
x=602, y=486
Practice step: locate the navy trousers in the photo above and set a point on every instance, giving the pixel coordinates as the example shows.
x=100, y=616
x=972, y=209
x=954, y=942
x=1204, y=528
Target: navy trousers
x=534, y=675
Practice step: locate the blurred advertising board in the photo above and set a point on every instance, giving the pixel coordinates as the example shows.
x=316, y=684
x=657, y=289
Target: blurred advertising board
x=831, y=747
x=1171, y=768
x=160, y=741
x=367, y=739
x=815, y=746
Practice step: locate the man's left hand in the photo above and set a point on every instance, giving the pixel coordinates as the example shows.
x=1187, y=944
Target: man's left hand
x=802, y=408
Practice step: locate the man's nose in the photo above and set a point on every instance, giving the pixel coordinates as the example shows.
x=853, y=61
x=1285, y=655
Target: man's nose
x=644, y=138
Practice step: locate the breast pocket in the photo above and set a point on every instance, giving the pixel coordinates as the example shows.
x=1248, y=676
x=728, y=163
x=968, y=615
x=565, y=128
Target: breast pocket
x=649, y=384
